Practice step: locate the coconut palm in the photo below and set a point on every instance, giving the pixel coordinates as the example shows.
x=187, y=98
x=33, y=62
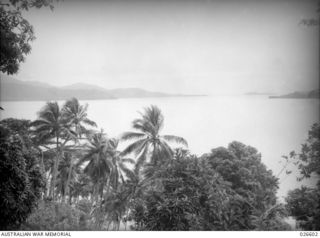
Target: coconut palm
x=77, y=116
x=52, y=128
x=99, y=164
x=82, y=187
x=47, y=164
x=66, y=176
x=107, y=169
x=119, y=171
x=133, y=189
x=122, y=181
x=148, y=145
x=113, y=208
x=63, y=174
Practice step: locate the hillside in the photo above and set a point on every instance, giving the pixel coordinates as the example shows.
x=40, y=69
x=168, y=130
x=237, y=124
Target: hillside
x=17, y=90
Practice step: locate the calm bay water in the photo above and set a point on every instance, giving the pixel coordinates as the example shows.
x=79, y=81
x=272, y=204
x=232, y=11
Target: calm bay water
x=273, y=126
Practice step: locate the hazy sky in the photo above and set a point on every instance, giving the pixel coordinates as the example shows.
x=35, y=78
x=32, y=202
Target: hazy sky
x=176, y=46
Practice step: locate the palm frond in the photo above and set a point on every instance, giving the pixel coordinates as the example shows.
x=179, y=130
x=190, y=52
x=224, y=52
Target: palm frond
x=113, y=143
x=39, y=122
x=134, y=147
x=127, y=160
x=143, y=126
x=131, y=135
x=86, y=158
x=141, y=160
x=149, y=171
x=176, y=139
x=166, y=150
x=90, y=122
x=153, y=115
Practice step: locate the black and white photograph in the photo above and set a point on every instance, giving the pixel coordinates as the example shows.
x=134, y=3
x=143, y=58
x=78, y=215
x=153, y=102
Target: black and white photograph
x=159, y=115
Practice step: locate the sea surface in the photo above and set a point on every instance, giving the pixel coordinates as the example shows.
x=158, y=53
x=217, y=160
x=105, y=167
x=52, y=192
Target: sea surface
x=273, y=126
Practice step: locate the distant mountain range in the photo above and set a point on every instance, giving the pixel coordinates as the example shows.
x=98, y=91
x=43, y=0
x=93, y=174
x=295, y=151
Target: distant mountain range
x=300, y=94
x=17, y=90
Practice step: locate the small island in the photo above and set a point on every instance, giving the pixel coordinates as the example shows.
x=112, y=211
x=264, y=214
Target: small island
x=300, y=95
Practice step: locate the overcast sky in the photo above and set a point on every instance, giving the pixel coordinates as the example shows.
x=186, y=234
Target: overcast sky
x=211, y=47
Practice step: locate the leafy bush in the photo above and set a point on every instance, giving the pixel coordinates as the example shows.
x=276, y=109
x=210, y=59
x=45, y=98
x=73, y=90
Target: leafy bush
x=21, y=181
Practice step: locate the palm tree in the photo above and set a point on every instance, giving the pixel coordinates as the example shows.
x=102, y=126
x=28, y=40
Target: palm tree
x=77, y=117
x=52, y=128
x=99, y=164
x=149, y=146
x=82, y=187
x=66, y=177
x=47, y=163
x=133, y=190
x=119, y=171
x=113, y=206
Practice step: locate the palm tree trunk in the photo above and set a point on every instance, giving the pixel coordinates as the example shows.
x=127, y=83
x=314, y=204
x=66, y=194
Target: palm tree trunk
x=118, y=224
x=70, y=199
x=67, y=189
x=125, y=223
x=95, y=194
x=54, y=178
x=108, y=186
x=101, y=193
x=43, y=172
x=108, y=226
x=55, y=171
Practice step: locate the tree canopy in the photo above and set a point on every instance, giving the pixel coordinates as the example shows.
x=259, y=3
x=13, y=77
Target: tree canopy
x=187, y=195
x=304, y=203
x=241, y=166
x=16, y=33
x=227, y=189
